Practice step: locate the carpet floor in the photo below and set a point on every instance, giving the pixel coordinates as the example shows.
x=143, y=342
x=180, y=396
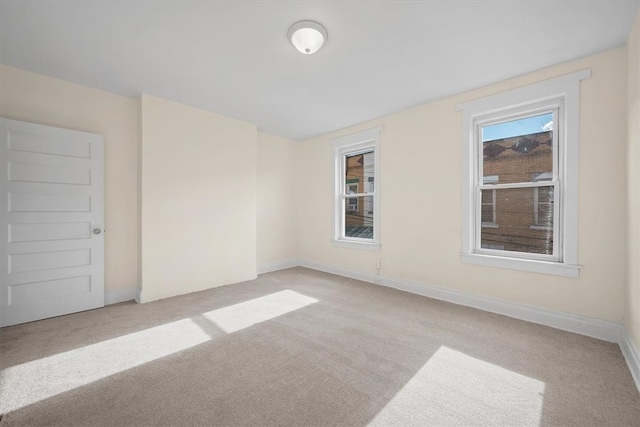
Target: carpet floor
x=303, y=348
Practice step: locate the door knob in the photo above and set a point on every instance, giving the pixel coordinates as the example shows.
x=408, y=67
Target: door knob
x=97, y=231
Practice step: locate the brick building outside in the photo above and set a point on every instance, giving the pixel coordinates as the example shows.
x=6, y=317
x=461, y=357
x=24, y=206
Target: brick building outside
x=518, y=219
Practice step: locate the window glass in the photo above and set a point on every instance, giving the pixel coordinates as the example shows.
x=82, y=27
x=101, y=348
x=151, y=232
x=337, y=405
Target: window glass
x=515, y=211
x=359, y=179
x=488, y=207
x=359, y=169
x=519, y=150
x=359, y=221
x=543, y=210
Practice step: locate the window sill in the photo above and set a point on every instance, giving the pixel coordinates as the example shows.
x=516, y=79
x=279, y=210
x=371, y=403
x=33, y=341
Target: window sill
x=373, y=247
x=490, y=225
x=533, y=266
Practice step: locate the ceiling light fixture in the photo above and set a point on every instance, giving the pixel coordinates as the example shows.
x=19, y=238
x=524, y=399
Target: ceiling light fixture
x=307, y=36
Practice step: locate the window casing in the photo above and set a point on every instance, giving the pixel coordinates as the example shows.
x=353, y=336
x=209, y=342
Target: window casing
x=544, y=202
x=356, y=160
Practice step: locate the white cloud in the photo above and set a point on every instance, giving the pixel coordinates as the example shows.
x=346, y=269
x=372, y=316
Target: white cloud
x=548, y=126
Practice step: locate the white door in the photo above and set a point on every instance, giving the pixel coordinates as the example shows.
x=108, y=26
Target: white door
x=51, y=229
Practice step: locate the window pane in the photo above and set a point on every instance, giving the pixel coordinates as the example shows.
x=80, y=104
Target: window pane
x=487, y=213
x=359, y=173
x=545, y=216
x=516, y=215
x=519, y=150
x=359, y=217
x=545, y=194
x=544, y=208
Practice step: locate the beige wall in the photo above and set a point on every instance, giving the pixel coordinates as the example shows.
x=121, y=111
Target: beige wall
x=632, y=308
x=420, y=186
x=277, y=238
x=199, y=224
x=225, y=151
x=198, y=199
x=39, y=99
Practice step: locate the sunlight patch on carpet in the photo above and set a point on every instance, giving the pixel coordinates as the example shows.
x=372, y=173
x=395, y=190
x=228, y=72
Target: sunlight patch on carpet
x=454, y=389
x=37, y=380
x=34, y=381
x=240, y=316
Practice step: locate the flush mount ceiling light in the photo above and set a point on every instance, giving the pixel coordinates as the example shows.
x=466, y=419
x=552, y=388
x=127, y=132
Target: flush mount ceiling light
x=307, y=36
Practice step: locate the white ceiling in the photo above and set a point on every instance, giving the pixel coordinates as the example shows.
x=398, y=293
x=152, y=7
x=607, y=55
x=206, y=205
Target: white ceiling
x=233, y=57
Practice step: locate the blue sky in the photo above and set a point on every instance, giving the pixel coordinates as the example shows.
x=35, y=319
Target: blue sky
x=518, y=127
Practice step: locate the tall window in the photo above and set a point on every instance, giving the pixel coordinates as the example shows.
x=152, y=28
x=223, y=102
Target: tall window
x=521, y=171
x=356, y=198
x=517, y=150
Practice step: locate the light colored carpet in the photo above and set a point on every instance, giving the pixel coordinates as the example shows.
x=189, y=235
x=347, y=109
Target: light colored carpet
x=304, y=348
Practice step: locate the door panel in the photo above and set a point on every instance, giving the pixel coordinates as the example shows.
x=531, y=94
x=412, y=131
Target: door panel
x=48, y=203
x=52, y=231
x=45, y=173
x=64, y=145
x=52, y=245
x=48, y=289
x=48, y=260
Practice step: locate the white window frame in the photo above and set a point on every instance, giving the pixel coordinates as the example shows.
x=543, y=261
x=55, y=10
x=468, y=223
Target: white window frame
x=563, y=91
x=554, y=107
x=349, y=145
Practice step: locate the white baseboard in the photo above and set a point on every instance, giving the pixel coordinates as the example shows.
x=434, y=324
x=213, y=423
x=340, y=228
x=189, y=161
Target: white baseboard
x=607, y=331
x=278, y=265
x=632, y=354
x=595, y=328
x=120, y=295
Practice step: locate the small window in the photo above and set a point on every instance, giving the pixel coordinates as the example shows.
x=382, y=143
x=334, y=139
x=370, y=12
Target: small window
x=543, y=200
x=356, y=201
x=521, y=175
x=489, y=204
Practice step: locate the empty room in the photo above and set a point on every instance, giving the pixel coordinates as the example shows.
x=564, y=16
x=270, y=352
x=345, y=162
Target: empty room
x=320, y=213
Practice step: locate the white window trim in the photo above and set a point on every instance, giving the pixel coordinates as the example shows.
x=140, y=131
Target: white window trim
x=360, y=141
x=567, y=88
